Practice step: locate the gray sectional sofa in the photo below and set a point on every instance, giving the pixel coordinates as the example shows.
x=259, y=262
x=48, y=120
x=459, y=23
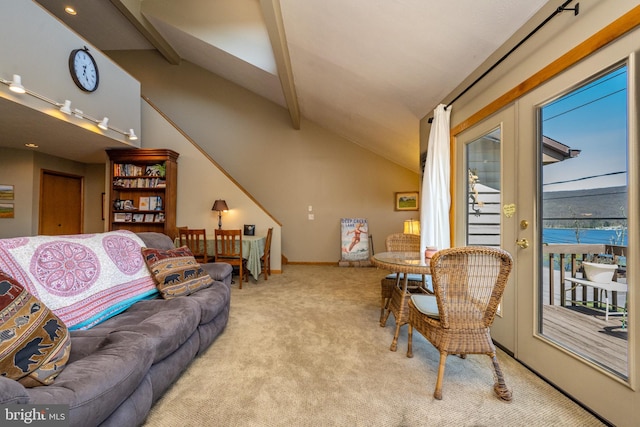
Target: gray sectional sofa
x=118, y=369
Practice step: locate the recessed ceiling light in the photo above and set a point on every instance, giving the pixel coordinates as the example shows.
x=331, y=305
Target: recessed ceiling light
x=31, y=145
x=70, y=10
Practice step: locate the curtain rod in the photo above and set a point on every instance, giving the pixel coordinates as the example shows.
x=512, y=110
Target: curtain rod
x=576, y=11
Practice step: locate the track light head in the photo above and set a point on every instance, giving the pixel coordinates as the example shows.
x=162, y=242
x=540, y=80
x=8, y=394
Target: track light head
x=103, y=124
x=16, y=84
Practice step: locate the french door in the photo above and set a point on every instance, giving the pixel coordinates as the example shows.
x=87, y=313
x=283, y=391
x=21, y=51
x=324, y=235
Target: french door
x=563, y=160
x=577, y=174
x=486, y=203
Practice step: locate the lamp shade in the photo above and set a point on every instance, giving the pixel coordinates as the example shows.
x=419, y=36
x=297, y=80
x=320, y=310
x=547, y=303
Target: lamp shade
x=412, y=226
x=220, y=205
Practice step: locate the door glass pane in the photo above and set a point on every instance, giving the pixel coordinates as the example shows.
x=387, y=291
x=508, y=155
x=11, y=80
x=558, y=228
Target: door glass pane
x=583, y=214
x=483, y=190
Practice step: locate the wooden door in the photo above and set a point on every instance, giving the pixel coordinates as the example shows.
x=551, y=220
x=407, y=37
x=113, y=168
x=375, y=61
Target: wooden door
x=61, y=207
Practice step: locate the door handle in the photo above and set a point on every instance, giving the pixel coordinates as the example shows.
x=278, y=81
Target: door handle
x=523, y=243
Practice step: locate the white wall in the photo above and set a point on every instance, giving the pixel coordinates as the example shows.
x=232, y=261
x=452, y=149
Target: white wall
x=23, y=168
x=201, y=182
x=283, y=169
x=36, y=46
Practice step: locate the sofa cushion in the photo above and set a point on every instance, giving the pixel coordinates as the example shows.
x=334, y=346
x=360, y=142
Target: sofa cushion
x=85, y=278
x=166, y=323
x=34, y=343
x=176, y=271
x=96, y=385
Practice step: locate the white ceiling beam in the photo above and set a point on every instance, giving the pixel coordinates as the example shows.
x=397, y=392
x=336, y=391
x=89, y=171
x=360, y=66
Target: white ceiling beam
x=275, y=27
x=132, y=10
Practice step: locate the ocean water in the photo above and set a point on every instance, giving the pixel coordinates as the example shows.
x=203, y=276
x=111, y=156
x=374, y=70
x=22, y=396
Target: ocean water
x=590, y=235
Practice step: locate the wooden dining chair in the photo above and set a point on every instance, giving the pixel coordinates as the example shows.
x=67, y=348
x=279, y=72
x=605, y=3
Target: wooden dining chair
x=229, y=249
x=196, y=240
x=265, y=260
x=468, y=283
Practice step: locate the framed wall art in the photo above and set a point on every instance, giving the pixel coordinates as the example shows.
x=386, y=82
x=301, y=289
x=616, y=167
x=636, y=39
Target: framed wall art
x=6, y=210
x=407, y=201
x=6, y=192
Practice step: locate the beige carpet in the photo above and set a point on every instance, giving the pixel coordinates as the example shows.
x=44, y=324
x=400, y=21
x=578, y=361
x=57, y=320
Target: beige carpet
x=305, y=349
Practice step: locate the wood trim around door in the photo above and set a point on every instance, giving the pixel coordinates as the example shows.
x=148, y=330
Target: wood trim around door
x=616, y=29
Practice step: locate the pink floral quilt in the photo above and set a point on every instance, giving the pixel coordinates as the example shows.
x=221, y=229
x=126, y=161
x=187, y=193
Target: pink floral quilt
x=84, y=279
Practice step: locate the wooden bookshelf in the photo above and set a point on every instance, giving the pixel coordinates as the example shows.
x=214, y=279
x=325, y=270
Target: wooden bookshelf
x=143, y=190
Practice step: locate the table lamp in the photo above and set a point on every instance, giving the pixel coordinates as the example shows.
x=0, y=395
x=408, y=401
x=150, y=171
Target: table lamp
x=412, y=226
x=220, y=205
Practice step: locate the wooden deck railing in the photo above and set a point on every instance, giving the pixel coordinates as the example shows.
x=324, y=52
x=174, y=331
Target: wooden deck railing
x=569, y=255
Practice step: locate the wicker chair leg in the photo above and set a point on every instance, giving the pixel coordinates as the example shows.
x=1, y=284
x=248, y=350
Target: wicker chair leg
x=410, y=341
x=394, y=343
x=384, y=306
x=386, y=316
x=500, y=387
x=438, y=391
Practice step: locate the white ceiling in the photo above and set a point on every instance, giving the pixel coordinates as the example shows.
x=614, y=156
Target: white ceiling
x=368, y=70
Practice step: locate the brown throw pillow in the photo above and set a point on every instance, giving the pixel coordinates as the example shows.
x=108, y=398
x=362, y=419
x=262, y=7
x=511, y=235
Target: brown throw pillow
x=176, y=271
x=34, y=343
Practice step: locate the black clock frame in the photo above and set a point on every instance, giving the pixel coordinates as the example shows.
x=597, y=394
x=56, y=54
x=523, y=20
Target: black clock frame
x=72, y=69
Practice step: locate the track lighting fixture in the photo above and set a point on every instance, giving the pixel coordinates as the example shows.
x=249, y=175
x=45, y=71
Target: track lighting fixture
x=103, y=124
x=16, y=84
x=66, y=107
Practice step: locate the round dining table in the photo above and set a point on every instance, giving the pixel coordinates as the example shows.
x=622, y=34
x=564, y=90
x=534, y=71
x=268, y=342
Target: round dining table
x=402, y=263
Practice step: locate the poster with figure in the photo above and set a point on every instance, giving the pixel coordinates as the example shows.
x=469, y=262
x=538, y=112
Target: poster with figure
x=354, y=239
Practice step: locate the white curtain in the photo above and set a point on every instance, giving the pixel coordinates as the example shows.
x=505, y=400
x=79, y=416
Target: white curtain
x=435, y=196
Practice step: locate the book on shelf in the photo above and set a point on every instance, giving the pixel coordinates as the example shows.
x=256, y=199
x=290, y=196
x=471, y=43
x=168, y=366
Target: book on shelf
x=149, y=217
x=125, y=169
x=143, y=203
x=138, y=217
x=119, y=217
x=155, y=203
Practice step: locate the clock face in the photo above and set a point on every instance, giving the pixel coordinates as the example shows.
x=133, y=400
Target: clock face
x=84, y=70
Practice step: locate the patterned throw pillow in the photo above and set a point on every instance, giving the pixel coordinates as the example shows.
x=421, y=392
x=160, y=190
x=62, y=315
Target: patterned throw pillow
x=176, y=271
x=34, y=343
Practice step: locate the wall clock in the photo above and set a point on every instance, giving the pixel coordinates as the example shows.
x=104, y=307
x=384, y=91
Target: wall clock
x=84, y=70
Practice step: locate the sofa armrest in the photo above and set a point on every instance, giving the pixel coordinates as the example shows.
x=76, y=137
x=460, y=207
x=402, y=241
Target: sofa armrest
x=156, y=240
x=220, y=271
x=12, y=392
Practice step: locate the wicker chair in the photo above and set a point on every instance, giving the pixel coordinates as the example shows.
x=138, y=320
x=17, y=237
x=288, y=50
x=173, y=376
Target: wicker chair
x=393, y=298
x=468, y=283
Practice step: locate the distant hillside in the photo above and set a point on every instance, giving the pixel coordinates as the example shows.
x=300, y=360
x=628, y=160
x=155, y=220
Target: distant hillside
x=585, y=204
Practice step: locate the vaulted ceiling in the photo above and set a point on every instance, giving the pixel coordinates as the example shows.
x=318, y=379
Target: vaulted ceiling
x=368, y=70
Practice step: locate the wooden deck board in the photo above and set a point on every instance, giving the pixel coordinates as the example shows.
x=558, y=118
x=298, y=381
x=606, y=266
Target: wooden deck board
x=585, y=332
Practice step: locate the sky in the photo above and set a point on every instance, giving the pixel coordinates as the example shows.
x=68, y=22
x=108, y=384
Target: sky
x=593, y=119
